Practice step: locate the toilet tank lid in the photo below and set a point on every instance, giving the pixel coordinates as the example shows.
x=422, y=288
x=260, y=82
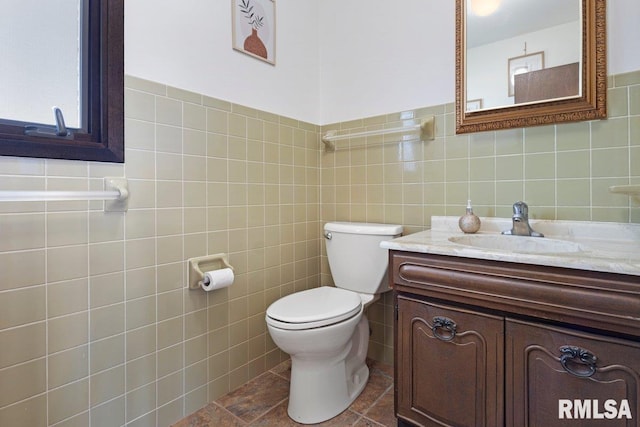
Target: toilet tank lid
x=364, y=228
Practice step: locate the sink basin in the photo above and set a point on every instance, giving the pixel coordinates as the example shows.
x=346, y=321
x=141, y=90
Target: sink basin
x=520, y=244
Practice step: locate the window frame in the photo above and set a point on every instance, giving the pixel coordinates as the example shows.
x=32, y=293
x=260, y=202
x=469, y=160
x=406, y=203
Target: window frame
x=102, y=137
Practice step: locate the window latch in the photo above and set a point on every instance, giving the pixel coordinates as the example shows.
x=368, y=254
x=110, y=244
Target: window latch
x=60, y=130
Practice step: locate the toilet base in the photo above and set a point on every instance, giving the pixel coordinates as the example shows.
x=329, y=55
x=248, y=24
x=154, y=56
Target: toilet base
x=322, y=389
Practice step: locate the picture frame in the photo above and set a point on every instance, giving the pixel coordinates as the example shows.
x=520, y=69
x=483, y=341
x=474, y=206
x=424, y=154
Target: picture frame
x=523, y=64
x=474, y=104
x=254, y=28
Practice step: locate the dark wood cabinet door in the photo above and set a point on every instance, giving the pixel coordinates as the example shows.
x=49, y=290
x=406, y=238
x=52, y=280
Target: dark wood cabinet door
x=449, y=365
x=561, y=377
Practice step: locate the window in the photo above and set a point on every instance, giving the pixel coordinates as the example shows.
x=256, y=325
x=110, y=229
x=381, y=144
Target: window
x=76, y=63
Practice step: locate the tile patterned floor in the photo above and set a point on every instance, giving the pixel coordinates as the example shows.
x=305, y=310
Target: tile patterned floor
x=263, y=402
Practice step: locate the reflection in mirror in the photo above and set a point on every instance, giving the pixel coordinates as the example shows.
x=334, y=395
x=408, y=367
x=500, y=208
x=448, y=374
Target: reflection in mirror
x=512, y=38
x=529, y=62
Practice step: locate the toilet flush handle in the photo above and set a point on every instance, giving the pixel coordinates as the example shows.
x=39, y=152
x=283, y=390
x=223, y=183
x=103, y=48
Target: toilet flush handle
x=327, y=235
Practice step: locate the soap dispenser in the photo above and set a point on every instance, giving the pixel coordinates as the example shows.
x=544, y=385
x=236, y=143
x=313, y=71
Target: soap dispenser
x=469, y=222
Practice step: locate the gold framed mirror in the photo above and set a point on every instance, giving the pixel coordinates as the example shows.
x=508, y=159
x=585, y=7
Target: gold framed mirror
x=506, y=69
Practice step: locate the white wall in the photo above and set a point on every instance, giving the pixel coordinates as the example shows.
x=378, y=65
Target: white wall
x=623, y=36
x=336, y=59
x=382, y=56
x=187, y=44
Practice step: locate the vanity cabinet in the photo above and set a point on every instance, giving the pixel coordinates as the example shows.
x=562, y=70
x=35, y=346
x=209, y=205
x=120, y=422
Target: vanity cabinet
x=492, y=343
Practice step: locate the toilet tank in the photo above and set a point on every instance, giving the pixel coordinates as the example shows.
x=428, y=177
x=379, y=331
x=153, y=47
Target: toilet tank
x=356, y=260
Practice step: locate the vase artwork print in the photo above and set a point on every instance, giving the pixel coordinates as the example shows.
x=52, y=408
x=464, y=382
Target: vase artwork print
x=254, y=28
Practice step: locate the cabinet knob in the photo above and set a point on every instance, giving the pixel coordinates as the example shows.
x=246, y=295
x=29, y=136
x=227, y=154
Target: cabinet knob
x=446, y=324
x=572, y=356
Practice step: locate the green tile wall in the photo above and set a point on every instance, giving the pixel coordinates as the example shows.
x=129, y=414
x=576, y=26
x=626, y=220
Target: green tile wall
x=97, y=328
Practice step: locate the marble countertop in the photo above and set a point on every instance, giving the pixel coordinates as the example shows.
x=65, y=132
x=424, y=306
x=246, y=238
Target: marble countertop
x=603, y=246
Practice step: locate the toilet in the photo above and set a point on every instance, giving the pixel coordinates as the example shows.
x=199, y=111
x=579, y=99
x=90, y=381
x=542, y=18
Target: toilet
x=325, y=330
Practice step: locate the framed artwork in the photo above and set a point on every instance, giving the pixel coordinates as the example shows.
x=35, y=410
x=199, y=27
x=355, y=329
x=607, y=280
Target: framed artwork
x=254, y=28
x=474, y=104
x=523, y=64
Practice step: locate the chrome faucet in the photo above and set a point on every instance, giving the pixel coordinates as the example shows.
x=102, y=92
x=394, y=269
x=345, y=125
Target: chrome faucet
x=520, y=219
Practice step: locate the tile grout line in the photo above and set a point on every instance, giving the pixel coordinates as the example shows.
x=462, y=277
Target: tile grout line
x=235, y=417
x=267, y=411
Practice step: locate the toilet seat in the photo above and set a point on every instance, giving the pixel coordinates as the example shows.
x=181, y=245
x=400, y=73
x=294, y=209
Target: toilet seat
x=314, y=308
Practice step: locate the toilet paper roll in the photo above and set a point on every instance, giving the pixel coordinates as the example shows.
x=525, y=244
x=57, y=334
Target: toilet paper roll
x=217, y=279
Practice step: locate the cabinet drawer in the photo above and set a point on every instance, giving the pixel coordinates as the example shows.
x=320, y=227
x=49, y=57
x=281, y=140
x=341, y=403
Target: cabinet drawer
x=546, y=364
x=450, y=365
x=599, y=301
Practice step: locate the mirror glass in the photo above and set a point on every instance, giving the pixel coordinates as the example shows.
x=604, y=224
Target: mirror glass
x=529, y=62
x=511, y=38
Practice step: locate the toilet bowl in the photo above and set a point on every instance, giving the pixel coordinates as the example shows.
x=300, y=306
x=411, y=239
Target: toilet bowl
x=327, y=359
x=325, y=330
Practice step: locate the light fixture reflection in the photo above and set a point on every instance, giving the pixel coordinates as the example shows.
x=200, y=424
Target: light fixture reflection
x=484, y=7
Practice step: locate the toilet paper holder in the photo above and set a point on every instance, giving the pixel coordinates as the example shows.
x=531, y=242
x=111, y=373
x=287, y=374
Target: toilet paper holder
x=198, y=266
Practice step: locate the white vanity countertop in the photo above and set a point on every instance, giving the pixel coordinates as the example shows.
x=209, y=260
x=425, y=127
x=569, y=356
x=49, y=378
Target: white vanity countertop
x=606, y=247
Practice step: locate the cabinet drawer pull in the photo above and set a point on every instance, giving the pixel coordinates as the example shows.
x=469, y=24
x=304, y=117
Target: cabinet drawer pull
x=578, y=356
x=447, y=325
